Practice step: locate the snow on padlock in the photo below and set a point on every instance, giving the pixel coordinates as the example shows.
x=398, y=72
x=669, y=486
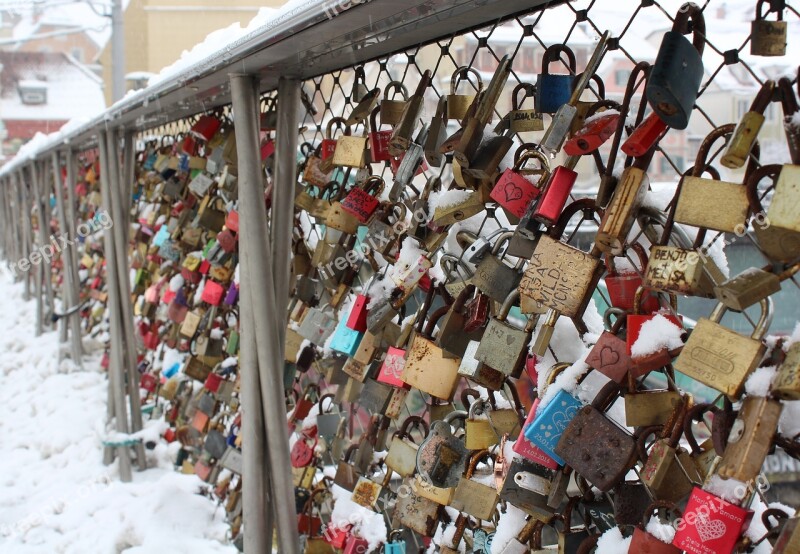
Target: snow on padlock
x=710, y=525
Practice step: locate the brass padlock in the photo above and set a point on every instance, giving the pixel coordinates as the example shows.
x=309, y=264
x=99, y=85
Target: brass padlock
x=750, y=439
x=472, y=497
x=467, y=204
x=415, y=511
x=437, y=134
x=402, y=454
x=721, y=358
x=767, y=38
x=644, y=408
x=779, y=244
x=741, y=143
x=351, y=151
x=479, y=431
x=392, y=110
x=458, y=104
x=504, y=346
x=519, y=120
x=427, y=369
x=493, y=277
x=618, y=219
x=787, y=383
x=751, y=285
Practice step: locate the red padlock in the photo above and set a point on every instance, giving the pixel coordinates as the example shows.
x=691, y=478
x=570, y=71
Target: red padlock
x=226, y=240
x=232, y=221
x=267, y=148
x=213, y=381
x=206, y=127
x=307, y=522
x=148, y=382
x=205, y=265
x=302, y=453
x=649, y=132
x=378, y=140
x=391, y=370
x=357, y=320
x=356, y=545
x=710, y=525
x=188, y=145
x=655, y=360
x=212, y=293
x=513, y=191
x=190, y=276
x=362, y=201
x=337, y=536
x=556, y=192
x=329, y=143
x=151, y=341
x=595, y=132
x=645, y=543
x=622, y=286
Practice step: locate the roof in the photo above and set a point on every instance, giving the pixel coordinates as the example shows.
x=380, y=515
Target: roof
x=74, y=15
x=72, y=90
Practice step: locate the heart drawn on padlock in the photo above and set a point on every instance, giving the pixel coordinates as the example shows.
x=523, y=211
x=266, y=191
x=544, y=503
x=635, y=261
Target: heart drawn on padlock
x=512, y=191
x=709, y=529
x=562, y=419
x=608, y=356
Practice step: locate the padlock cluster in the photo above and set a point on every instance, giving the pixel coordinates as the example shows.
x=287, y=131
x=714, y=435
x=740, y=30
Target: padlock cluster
x=449, y=380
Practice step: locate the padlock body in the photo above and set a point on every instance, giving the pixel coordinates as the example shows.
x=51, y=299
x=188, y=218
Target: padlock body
x=592, y=135
x=553, y=90
x=644, y=136
x=555, y=195
x=748, y=447
x=551, y=422
x=741, y=143
x=379, y=145
x=514, y=192
x=675, y=80
x=768, y=38
x=716, y=527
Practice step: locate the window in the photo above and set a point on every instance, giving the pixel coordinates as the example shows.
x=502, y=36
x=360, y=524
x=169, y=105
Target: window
x=77, y=53
x=694, y=146
x=742, y=106
x=621, y=77
x=32, y=92
x=528, y=60
x=666, y=168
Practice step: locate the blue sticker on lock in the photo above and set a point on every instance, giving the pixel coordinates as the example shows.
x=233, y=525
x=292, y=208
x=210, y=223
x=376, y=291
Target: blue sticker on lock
x=161, y=236
x=345, y=339
x=551, y=422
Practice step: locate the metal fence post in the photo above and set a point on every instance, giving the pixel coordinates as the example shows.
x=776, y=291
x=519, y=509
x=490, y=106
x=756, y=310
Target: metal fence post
x=266, y=317
x=69, y=231
x=114, y=209
x=25, y=211
x=117, y=364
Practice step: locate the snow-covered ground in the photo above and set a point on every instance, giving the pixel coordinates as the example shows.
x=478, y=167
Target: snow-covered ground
x=56, y=496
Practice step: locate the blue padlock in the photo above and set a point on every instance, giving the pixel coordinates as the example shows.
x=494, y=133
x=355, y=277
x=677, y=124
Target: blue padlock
x=551, y=421
x=345, y=339
x=553, y=90
x=677, y=73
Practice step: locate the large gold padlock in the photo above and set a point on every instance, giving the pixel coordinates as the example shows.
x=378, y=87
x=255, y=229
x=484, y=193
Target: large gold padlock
x=351, y=151
x=458, y=104
x=479, y=431
x=784, y=210
x=652, y=407
x=721, y=358
x=767, y=38
x=787, y=383
x=472, y=497
x=621, y=212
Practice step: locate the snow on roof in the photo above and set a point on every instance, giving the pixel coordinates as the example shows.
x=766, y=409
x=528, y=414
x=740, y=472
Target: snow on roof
x=72, y=91
x=76, y=15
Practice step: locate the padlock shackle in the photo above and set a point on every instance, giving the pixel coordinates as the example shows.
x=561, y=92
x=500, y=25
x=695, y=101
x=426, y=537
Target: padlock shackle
x=463, y=73
x=760, y=16
x=788, y=98
x=657, y=505
x=691, y=11
x=555, y=371
x=373, y=186
x=553, y=53
x=772, y=171
x=340, y=122
x=373, y=119
x=763, y=97
x=322, y=399
x=582, y=204
x=433, y=320
x=522, y=156
x=476, y=407
x=641, y=435
x=695, y=413
x=601, y=86
x=396, y=86
x=639, y=296
x=763, y=323
x=510, y=301
x=467, y=395
x=606, y=396
x=615, y=327
x=412, y=422
x=529, y=91
x=474, y=458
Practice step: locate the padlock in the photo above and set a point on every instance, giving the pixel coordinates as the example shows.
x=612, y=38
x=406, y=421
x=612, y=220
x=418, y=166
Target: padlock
x=786, y=385
x=442, y=458
x=669, y=472
x=394, y=544
x=483, y=167
x=620, y=215
x=790, y=107
x=554, y=90
x=437, y=134
x=721, y=358
x=522, y=121
x=362, y=200
x=595, y=446
x=704, y=456
x=570, y=538
x=416, y=512
x=647, y=543
x=479, y=431
x=564, y=119
x=470, y=204
x=527, y=486
x=503, y=346
x=789, y=539
x=426, y=368
x=779, y=244
x=413, y=156
x=317, y=326
x=752, y=285
x=597, y=128
x=528, y=450
x=513, y=190
x=716, y=527
x=328, y=146
x=552, y=419
x=622, y=286
x=586, y=108
x=408, y=271
x=402, y=134
x=313, y=174
x=402, y=453
x=302, y=453
x=744, y=136
x=392, y=110
x=471, y=135
x=307, y=522
x=345, y=340
x=378, y=140
x=646, y=135
x=675, y=79
x=644, y=408
x=750, y=439
x=452, y=337
x=458, y=104
x=644, y=363
x=350, y=151
x=365, y=106
x=781, y=213
x=768, y=38
x=528, y=540
x=630, y=502
x=472, y=497
x=556, y=191
x=367, y=492
x=493, y=277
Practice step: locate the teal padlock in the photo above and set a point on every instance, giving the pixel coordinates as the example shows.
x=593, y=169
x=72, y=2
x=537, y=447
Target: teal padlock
x=551, y=422
x=394, y=545
x=345, y=339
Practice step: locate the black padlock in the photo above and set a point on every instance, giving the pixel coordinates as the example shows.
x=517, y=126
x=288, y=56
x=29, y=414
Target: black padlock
x=678, y=71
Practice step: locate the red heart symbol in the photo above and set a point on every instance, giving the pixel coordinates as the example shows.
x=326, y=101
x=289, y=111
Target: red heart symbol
x=512, y=191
